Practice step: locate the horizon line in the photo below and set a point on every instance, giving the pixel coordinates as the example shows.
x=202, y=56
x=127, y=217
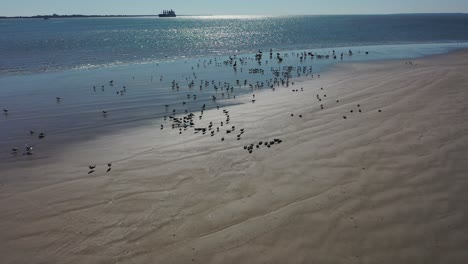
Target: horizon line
x=149, y=15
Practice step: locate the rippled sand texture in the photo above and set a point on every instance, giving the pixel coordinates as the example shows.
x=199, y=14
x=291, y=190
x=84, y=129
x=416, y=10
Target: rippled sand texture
x=376, y=187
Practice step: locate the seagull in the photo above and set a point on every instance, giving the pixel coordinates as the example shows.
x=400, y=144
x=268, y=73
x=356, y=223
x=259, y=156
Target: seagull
x=28, y=150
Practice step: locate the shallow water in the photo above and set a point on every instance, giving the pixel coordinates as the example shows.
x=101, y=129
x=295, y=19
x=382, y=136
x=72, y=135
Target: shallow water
x=30, y=93
x=35, y=45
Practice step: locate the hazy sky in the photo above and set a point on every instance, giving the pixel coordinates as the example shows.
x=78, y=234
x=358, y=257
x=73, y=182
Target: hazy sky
x=230, y=7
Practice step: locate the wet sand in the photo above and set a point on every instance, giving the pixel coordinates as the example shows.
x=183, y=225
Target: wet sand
x=384, y=186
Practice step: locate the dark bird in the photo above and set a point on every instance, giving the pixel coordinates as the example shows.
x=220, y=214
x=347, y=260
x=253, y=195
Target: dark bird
x=92, y=167
x=5, y=110
x=109, y=169
x=109, y=164
x=104, y=112
x=91, y=171
x=41, y=135
x=14, y=149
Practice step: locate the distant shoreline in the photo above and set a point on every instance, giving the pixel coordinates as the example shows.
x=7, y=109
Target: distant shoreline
x=80, y=16
x=123, y=16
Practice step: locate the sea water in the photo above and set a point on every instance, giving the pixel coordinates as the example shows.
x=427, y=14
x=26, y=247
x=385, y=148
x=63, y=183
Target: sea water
x=44, y=59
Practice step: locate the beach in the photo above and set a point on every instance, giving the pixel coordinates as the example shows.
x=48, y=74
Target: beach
x=385, y=183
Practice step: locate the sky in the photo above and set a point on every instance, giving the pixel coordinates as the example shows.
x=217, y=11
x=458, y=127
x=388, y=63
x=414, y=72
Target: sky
x=229, y=7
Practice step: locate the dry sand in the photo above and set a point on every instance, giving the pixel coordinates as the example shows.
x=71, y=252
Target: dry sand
x=377, y=187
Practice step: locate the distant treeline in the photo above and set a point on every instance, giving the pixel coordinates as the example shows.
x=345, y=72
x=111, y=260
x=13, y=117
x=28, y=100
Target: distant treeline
x=74, y=16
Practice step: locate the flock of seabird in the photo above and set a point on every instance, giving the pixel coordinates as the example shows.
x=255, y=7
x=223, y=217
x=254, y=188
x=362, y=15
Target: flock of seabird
x=280, y=77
